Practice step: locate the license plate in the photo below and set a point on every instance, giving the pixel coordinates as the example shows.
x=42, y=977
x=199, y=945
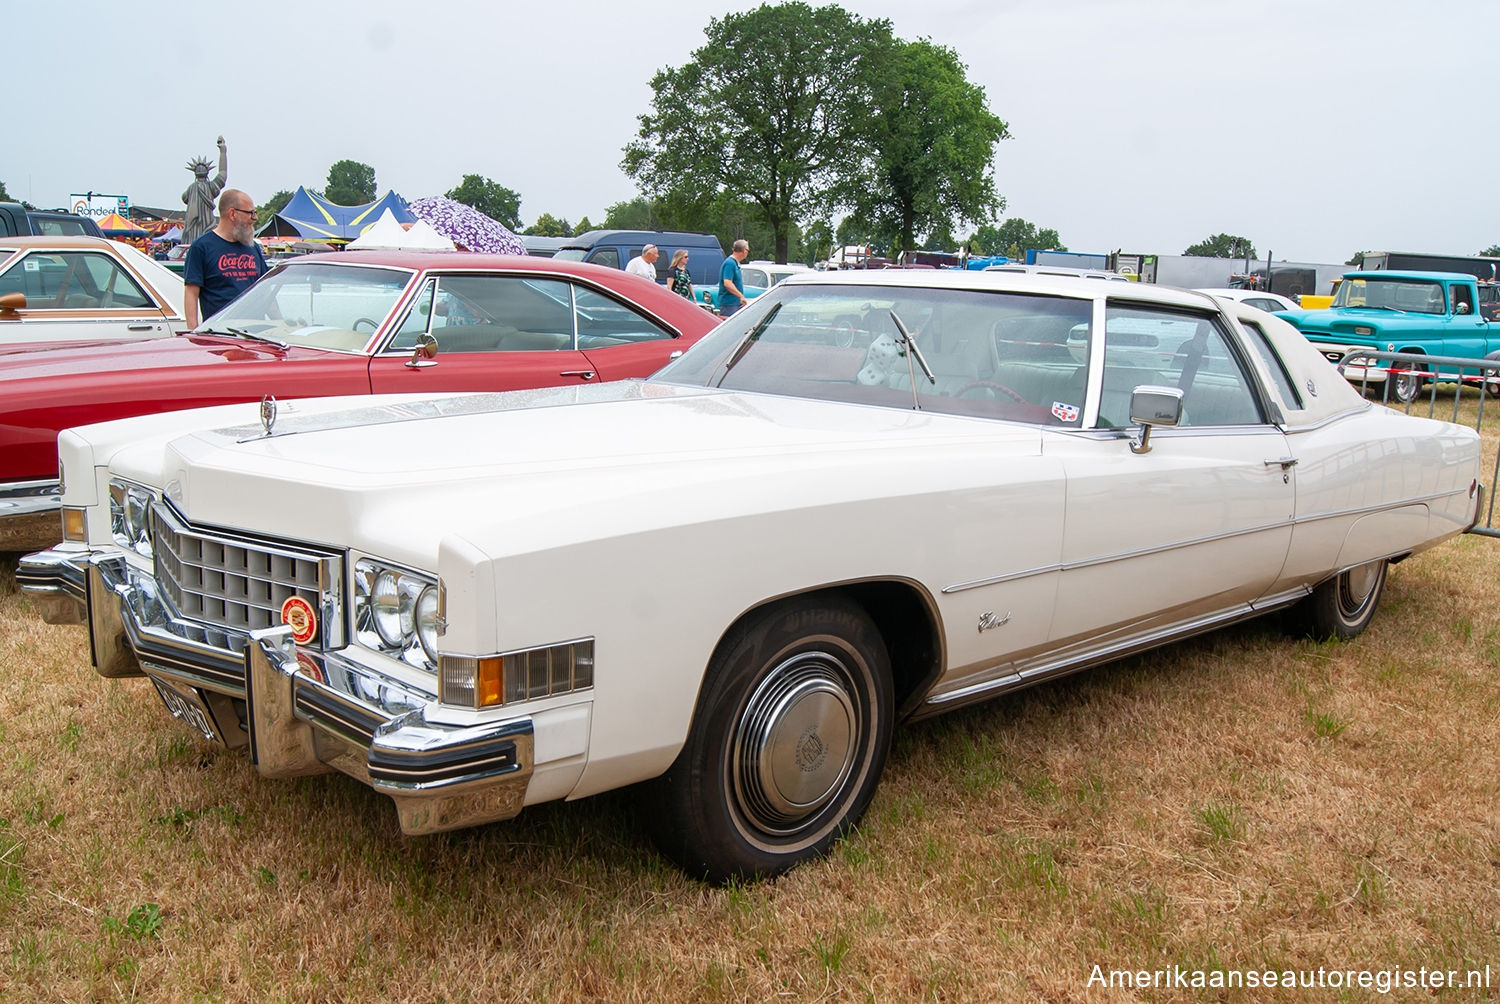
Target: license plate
x=188, y=705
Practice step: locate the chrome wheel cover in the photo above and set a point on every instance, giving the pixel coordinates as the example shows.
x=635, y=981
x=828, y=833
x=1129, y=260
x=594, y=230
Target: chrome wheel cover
x=1408, y=387
x=1355, y=587
x=795, y=743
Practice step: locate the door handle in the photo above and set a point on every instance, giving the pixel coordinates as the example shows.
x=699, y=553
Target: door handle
x=1285, y=463
x=139, y=327
x=585, y=374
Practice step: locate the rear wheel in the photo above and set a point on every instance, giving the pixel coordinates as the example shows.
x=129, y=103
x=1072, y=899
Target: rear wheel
x=788, y=741
x=1342, y=606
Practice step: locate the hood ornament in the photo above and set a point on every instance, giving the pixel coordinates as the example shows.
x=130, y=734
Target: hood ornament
x=268, y=413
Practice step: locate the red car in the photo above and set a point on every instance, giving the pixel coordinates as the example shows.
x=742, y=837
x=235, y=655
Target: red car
x=361, y=322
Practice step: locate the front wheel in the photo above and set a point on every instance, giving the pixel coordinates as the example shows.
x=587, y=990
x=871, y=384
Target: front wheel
x=1342, y=606
x=788, y=741
x=1407, y=385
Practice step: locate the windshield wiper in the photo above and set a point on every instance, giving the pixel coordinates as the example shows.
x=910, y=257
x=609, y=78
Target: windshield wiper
x=913, y=353
x=750, y=339
x=242, y=333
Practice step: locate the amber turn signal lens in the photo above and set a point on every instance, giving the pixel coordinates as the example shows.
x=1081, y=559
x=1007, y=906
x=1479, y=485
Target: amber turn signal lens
x=491, y=681
x=73, y=524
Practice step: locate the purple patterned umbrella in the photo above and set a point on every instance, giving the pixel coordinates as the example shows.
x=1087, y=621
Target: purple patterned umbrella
x=466, y=226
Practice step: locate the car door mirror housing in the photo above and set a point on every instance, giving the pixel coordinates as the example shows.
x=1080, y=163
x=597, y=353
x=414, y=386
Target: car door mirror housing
x=422, y=353
x=1151, y=406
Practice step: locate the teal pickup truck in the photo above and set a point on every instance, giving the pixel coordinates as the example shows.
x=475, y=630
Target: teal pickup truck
x=1432, y=313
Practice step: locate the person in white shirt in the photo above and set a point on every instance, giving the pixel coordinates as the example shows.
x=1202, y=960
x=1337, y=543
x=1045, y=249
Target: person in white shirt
x=644, y=264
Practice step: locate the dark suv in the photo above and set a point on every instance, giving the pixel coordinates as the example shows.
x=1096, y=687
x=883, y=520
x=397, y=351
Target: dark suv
x=18, y=221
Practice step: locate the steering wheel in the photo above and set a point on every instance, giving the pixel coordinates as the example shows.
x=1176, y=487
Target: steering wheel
x=995, y=390
x=363, y=320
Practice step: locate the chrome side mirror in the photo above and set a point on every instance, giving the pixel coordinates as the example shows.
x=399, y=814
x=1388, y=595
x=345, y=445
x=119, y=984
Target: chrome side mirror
x=1462, y=308
x=421, y=355
x=1151, y=406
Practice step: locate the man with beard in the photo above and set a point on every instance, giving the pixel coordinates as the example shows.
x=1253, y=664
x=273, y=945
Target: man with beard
x=224, y=262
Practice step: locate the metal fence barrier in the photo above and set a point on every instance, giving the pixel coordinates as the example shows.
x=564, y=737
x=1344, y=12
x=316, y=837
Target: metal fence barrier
x=1404, y=379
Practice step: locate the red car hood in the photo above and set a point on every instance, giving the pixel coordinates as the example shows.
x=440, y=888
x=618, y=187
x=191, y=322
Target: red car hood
x=31, y=360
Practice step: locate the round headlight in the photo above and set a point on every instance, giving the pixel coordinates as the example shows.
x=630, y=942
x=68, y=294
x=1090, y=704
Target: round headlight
x=426, y=616
x=385, y=609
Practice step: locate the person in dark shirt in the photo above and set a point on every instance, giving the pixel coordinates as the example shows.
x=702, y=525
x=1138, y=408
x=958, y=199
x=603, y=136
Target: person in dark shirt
x=224, y=262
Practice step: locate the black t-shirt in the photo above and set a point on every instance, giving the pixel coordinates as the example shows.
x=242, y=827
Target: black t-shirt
x=221, y=270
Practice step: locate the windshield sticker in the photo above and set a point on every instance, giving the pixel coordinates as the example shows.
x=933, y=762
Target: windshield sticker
x=1065, y=412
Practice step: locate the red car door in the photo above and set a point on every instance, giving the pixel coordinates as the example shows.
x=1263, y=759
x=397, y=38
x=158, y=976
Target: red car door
x=499, y=331
x=619, y=340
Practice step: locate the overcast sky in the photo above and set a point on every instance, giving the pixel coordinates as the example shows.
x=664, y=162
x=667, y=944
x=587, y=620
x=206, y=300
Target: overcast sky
x=1316, y=128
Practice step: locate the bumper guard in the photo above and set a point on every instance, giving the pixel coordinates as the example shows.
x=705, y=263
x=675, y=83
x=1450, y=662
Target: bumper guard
x=306, y=712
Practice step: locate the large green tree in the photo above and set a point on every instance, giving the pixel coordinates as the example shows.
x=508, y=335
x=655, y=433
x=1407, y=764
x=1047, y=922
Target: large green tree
x=773, y=108
x=350, y=183
x=272, y=206
x=1014, y=237
x=931, y=140
x=491, y=198
x=547, y=225
x=639, y=213
x=1222, y=246
x=4, y=195
x=1493, y=251
x=728, y=217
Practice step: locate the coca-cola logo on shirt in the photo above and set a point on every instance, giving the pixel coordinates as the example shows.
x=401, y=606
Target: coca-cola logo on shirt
x=239, y=266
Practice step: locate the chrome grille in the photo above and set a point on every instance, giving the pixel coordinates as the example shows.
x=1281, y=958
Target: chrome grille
x=239, y=584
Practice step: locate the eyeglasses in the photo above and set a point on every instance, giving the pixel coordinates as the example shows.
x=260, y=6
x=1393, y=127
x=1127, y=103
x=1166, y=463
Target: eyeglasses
x=247, y=212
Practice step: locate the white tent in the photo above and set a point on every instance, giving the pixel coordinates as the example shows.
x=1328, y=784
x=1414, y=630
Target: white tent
x=421, y=237
x=385, y=234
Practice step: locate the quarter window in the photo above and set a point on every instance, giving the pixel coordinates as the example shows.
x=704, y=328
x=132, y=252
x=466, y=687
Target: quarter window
x=1279, y=374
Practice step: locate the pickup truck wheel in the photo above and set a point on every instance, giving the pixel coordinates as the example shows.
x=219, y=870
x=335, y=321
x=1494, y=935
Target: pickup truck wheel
x=1407, y=385
x=1342, y=606
x=788, y=741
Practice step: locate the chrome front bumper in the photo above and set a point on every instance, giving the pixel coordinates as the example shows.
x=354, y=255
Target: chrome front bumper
x=303, y=711
x=29, y=515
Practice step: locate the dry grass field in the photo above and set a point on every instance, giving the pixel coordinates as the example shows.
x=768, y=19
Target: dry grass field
x=1241, y=802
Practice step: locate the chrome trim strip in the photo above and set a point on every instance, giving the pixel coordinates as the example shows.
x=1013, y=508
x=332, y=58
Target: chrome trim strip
x=1079, y=659
x=1105, y=559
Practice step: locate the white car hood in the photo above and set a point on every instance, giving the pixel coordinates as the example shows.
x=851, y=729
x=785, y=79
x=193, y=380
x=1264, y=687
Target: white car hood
x=402, y=474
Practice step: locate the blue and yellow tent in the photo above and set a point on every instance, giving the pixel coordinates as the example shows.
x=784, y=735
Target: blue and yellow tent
x=311, y=217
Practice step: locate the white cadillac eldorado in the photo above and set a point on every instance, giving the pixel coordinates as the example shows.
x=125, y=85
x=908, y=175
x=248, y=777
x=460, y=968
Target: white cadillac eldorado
x=868, y=498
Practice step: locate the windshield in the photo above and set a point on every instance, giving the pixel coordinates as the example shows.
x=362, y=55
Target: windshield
x=1001, y=355
x=571, y=254
x=320, y=305
x=1414, y=296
